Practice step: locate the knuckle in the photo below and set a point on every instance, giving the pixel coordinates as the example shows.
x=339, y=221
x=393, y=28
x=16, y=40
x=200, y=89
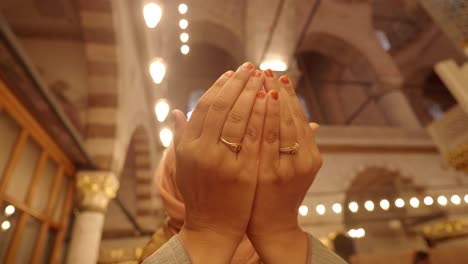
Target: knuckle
x=288, y=120
x=202, y=106
x=271, y=137
x=220, y=105
x=251, y=133
x=236, y=116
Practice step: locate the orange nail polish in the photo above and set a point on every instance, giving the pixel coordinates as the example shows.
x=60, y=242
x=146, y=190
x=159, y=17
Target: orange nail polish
x=274, y=94
x=284, y=80
x=269, y=73
x=248, y=66
x=261, y=94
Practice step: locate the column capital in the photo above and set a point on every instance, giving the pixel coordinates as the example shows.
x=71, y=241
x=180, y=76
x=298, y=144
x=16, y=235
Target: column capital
x=95, y=189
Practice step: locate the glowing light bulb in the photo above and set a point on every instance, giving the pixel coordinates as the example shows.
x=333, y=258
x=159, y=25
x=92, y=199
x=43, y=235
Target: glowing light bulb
x=183, y=8
x=369, y=205
x=152, y=14
x=184, y=37
x=428, y=200
x=157, y=70
x=353, y=207
x=165, y=135
x=384, y=204
x=320, y=209
x=303, y=210
x=185, y=49
x=414, y=202
x=274, y=65
x=399, y=203
x=337, y=208
x=162, y=110
x=6, y=225
x=9, y=210
x=183, y=23
x=442, y=200
x=455, y=199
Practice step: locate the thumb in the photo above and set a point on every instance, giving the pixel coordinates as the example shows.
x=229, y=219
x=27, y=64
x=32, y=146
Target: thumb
x=180, y=125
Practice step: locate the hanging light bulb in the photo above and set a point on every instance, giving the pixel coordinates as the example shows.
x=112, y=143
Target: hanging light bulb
x=9, y=210
x=165, y=135
x=185, y=49
x=320, y=209
x=384, y=204
x=161, y=109
x=369, y=205
x=353, y=207
x=442, y=200
x=455, y=199
x=6, y=225
x=157, y=70
x=183, y=23
x=152, y=14
x=337, y=208
x=414, y=202
x=184, y=37
x=399, y=203
x=303, y=210
x=183, y=8
x=428, y=200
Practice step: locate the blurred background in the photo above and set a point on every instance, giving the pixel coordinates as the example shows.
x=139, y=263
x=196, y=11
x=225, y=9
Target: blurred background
x=86, y=87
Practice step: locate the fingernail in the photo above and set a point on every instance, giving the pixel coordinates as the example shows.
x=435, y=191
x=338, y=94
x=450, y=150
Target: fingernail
x=284, y=80
x=274, y=94
x=314, y=126
x=269, y=73
x=248, y=66
x=229, y=74
x=256, y=73
x=261, y=94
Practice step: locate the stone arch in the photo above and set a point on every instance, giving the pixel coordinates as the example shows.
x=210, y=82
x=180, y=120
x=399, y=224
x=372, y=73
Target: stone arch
x=219, y=36
x=197, y=70
x=99, y=37
x=341, y=51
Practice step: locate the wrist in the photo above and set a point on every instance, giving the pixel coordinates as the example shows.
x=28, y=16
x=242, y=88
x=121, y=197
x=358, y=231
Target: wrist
x=287, y=246
x=208, y=246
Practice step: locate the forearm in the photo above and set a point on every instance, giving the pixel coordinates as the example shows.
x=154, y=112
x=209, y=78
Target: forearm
x=208, y=247
x=286, y=247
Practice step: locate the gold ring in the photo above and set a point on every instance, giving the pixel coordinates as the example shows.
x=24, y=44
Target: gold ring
x=290, y=150
x=234, y=147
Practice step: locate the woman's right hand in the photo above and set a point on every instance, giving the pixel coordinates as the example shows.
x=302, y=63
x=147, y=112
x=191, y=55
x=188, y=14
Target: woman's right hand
x=217, y=184
x=283, y=178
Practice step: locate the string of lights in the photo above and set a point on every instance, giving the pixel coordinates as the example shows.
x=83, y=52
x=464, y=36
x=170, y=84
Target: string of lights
x=385, y=204
x=152, y=14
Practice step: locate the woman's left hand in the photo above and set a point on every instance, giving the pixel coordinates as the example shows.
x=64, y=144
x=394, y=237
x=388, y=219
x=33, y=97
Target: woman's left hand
x=283, y=178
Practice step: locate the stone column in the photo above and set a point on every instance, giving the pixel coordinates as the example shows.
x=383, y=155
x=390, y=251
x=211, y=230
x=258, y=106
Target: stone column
x=95, y=189
x=397, y=110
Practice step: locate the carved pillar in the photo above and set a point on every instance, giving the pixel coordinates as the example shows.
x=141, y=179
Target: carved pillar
x=95, y=189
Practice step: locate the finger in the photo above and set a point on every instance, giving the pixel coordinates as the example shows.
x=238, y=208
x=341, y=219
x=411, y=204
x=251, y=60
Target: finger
x=288, y=135
x=180, y=126
x=197, y=119
x=296, y=108
x=254, y=131
x=238, y=117
x=224, y=101
x=271, y=83
x=271, y=130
